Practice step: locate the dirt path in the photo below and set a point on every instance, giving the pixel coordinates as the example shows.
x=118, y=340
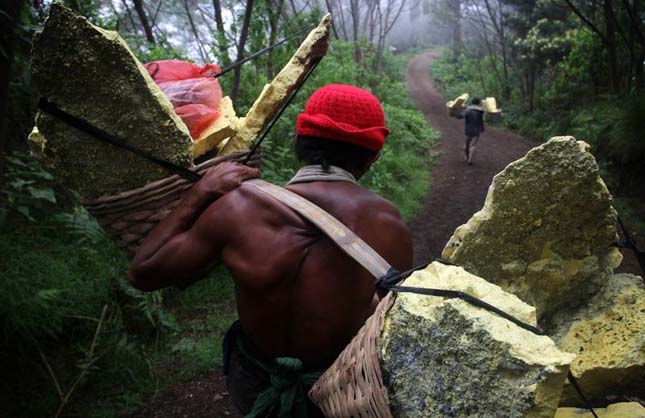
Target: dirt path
x=457, y=190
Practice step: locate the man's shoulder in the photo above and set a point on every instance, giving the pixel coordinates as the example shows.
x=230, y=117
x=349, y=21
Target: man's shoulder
x=348, y=202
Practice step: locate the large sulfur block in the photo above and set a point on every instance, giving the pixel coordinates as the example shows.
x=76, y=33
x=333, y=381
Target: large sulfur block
x=90, y=73
x=608, y=337
x=617, y=410
x=546, y=230
x=276, y=94
x=456, y=106
x=224, y=127
x=444, y=357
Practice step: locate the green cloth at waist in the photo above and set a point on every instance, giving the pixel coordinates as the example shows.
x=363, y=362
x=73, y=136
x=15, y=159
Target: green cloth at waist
x=288, y=388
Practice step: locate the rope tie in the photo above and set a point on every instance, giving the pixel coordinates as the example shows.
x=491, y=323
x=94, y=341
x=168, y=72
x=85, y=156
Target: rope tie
x=288, y=386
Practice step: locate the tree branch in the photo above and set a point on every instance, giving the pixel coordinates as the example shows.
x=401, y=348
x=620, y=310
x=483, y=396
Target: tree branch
x=586, y=21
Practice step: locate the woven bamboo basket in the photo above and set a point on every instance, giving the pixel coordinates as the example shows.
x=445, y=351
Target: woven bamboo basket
x=455, y=112
x=128, y=216
x=353, y=385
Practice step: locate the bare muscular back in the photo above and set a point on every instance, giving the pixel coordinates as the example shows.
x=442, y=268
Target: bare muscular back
x=297, y=294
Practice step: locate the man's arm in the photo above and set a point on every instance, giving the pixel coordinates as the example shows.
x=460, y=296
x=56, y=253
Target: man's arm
x=178, y=252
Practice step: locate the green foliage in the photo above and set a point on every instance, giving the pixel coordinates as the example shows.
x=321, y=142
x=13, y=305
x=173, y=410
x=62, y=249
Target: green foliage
x=566, y=106
x=28, y=188
x=458, y=74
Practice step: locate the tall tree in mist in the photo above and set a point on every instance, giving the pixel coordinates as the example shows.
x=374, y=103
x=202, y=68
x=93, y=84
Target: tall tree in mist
x=367, y=21
x=617, y=24
x=9, y=25
x=449, y=12
x=248, y=11
x=143, y=18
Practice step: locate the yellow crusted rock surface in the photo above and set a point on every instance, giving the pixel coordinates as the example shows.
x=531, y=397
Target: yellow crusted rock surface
x=546, y=230
x=608, y=336
x=222, y=128
x=490, y=105
x=441, y=276
x=90, y=73
x=275, y=94
x=458, y=102
x=455, y=106
x=617, y=410
x=445, y=357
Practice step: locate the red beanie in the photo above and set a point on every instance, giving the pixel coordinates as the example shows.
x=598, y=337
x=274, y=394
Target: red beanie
x=344, y=113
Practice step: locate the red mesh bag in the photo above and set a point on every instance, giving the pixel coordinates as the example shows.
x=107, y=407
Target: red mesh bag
x=193, y=92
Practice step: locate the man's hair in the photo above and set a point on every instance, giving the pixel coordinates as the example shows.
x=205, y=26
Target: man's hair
x=326, y=152
x=476, y=101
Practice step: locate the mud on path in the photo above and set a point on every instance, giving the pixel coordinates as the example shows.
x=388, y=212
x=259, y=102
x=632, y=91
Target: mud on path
x=457, y=191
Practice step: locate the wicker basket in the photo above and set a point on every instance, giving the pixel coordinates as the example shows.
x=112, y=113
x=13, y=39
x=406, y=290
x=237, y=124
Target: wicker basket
x=129, y=216
x=455, y=112
x=353, y=385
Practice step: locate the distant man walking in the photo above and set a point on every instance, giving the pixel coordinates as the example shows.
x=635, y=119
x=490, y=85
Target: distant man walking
x=474, y=118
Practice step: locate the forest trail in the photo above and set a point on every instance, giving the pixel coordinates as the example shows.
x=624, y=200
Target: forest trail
x=457, y=190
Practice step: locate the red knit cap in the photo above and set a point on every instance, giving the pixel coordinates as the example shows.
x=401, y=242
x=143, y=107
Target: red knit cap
x=344, y=113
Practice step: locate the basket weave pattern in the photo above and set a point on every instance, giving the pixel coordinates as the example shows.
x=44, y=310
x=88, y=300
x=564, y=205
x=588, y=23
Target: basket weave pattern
x=353, y=385
x=129, y=216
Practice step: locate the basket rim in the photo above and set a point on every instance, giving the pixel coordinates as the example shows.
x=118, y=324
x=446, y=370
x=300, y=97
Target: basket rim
x=171, y=181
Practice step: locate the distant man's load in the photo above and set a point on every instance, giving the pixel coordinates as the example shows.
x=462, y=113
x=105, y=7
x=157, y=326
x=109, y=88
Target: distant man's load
x=456, y=107
x=492, y=112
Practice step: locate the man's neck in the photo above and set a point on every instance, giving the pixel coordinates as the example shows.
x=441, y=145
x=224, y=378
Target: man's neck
x=316, y=172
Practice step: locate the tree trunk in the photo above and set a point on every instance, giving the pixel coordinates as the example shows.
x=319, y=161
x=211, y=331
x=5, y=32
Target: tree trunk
x=200, y=48
x=129, y=13
x=221, y=34
x=355, y=11
x=333, y=25
x=530, y=87
x=457, y=41
x=240, y=48
x=274, y=11
x=637, y=35
x=610, y=35
x=9, y=19
x=138, y=5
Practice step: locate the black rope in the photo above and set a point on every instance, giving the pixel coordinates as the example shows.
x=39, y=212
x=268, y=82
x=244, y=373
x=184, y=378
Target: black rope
x=393, y=277
x=456, y=294
x=260, y=52
x=574, y=383
x=630, y=243
x=108, y=138
x=275, y=119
